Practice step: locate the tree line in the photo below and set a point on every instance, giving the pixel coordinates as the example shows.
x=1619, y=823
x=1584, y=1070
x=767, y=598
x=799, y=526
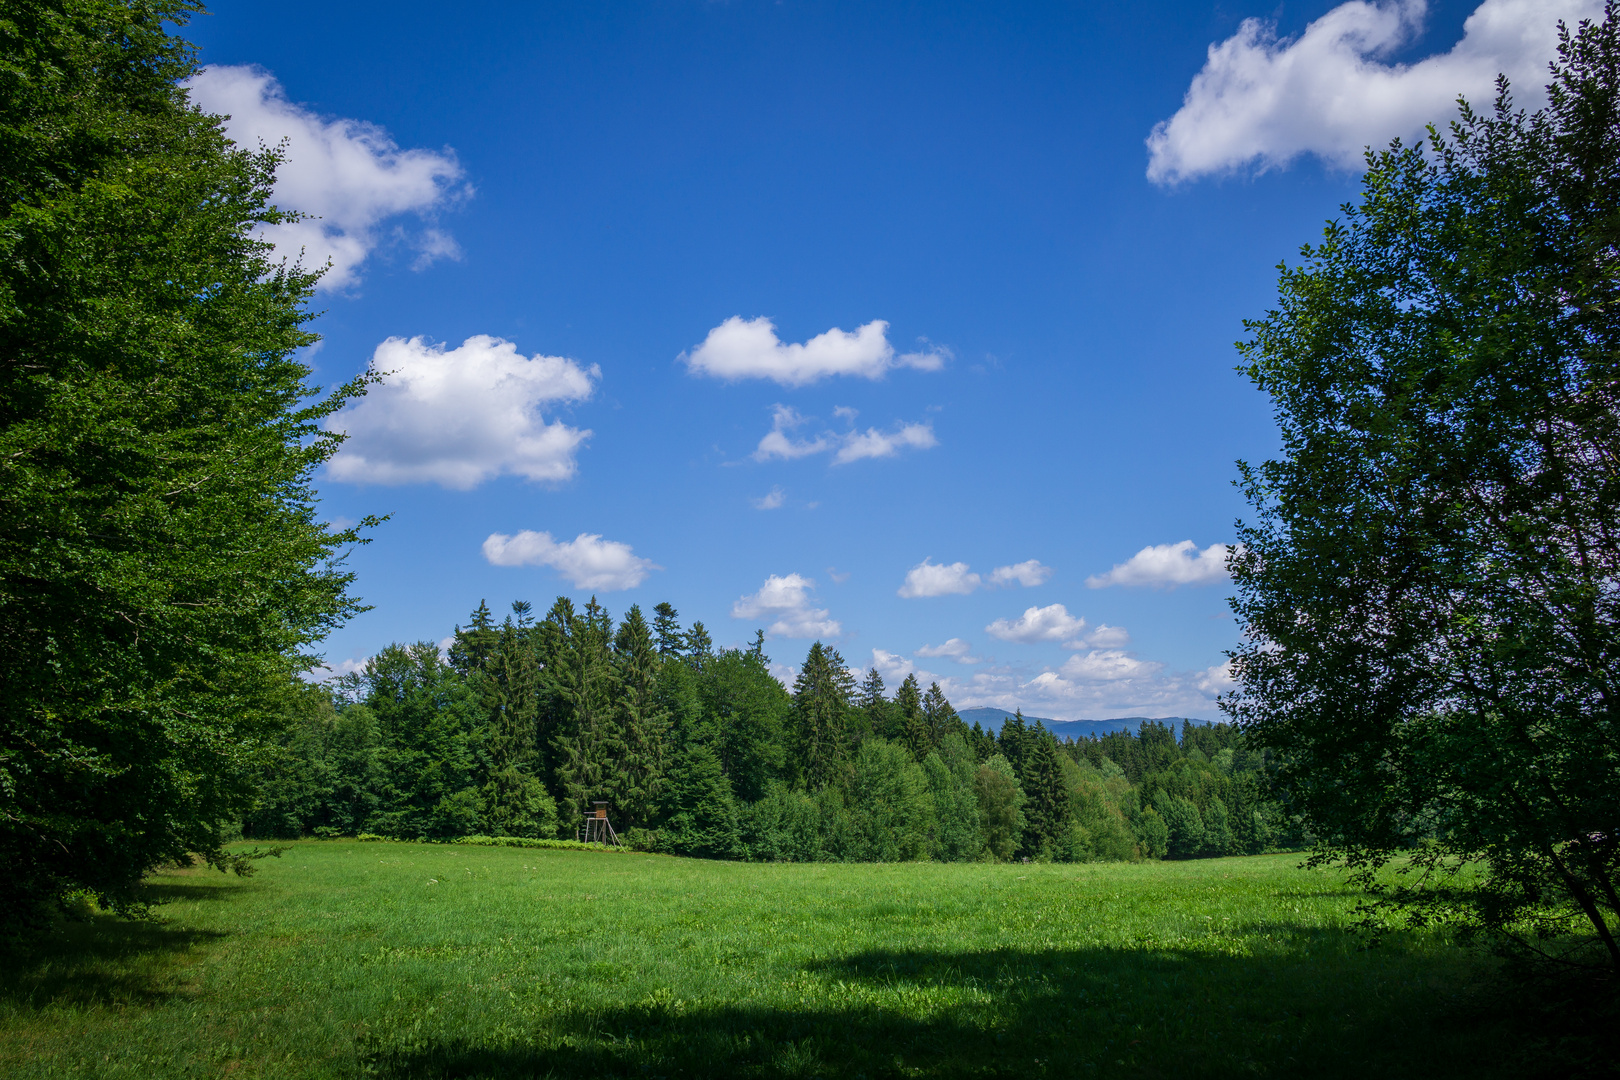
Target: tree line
x=519, y=727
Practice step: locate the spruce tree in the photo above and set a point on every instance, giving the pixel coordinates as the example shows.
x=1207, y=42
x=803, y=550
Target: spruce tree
x=643, y=723
x=1046, y=806
x=941, y=717
x=591, y=744
x=913, y=724
x=667, y=631
x=821, y=702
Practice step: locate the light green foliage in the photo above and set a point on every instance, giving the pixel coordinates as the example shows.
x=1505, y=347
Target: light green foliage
x=890, y=809
x=958, y=831
x=1001, y=804
x=396, y=960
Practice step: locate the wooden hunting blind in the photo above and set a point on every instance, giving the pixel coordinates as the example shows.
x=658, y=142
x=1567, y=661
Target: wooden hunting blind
x=597, y=827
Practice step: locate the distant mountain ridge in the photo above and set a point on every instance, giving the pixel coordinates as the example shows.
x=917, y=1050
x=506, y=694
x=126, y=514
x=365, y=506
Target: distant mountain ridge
x=992, y=719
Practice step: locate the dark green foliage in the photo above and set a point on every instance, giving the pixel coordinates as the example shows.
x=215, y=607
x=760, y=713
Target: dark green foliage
x=1429, y=582
x=162, y=566
x=705, y=753
x=821, y=705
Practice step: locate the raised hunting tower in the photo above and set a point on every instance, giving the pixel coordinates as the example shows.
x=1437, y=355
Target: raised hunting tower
x=597, y=828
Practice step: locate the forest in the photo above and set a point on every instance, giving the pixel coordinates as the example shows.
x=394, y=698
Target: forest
x=519, y=727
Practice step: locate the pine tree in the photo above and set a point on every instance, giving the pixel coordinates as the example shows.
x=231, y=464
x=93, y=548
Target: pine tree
x=942, y=718
x=473, y=646
x=913, y=724
x=591, y=744
x=667, y=631
x=1046, y=809
x=643, y=723
x=699, y=646
x=821, y=704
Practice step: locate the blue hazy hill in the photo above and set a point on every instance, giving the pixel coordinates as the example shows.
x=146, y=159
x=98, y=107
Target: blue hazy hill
x=992, y=719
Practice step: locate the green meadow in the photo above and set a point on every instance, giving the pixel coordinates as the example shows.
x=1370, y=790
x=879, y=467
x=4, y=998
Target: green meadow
x=351, y=959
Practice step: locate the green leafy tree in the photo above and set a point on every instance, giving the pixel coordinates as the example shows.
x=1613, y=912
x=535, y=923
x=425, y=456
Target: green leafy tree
x=1001, y=804
x=891, y=809
x=1429, y=579
x=958, y=833
x=751, y=710
x=163, y=568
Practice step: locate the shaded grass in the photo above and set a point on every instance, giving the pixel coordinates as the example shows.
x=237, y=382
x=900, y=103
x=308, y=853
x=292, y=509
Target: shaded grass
x=405, y=960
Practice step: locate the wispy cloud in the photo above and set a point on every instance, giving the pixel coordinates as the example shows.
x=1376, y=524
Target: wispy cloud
x=956, y=579
x=846, y=447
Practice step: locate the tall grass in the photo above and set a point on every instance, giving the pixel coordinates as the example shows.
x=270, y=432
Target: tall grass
x=406, y=960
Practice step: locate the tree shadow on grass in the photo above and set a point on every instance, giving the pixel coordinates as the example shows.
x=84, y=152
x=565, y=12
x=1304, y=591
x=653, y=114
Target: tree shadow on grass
x=104, y=959
x=1007, y=1012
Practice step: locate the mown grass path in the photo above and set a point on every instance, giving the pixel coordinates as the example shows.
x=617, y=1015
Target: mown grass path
x=407, y=960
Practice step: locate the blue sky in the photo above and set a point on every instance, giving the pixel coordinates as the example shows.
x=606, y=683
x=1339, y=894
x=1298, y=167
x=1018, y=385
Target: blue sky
x=909, y=327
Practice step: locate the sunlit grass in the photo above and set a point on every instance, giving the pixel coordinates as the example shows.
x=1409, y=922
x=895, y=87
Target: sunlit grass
x=403, y=960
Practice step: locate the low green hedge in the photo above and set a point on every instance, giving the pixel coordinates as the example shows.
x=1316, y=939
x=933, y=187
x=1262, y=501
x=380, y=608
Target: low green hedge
x=531, y=842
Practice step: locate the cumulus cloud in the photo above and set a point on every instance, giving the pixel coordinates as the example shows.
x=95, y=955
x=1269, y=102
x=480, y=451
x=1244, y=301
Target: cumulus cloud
x=782, y=442
x=771, y=500
x=585, y=562
x=952, y=579
x=457, y=418
x=349, y=176
x=1028, y=573
x=1108, y=637
x=1263, y=101
x=1050, y=623
x=1168, y=565
x=938, y=579
x=749, y=349
x=785, y=601
x=956, y=649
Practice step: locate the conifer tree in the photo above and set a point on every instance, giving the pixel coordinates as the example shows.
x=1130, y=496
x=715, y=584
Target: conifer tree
x=1046, y=806
x=821, y=702
x=942, y=718
x=699, y=646
x=643, y=723
x=913, y=724
x=591, y=744
x=474, y=645
x=667, y=631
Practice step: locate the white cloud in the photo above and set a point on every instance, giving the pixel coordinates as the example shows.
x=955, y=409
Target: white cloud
x=1108, y=637
x=955, y=579
x=1217, y=679
x=785, y=600
x=771, y=500
x=873, y=443
x=585, y=562
x=324, y=672
x=1028, y=573
x=1107, y=665
x=938, y=579
x=460, y=417
x=1168, y=565
x=749, y=349
x=1264, y=101
x=350, y=176
x=850, y=446
x=955, y=648
x=1050, y=623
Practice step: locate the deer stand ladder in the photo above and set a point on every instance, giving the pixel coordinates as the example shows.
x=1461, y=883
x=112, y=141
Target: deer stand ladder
x=597, y=830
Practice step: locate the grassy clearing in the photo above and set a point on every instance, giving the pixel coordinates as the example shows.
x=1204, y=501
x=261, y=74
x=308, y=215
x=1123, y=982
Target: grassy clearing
x=408, y=960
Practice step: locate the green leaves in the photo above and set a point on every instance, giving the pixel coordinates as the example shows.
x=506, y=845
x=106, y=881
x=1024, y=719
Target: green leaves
x=1429, y=582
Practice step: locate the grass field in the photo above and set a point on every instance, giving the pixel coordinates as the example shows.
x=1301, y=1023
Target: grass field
x=407, y=960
